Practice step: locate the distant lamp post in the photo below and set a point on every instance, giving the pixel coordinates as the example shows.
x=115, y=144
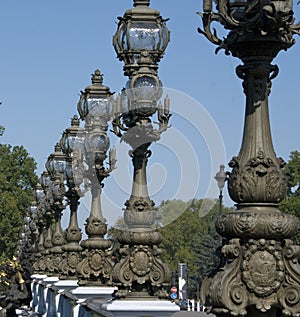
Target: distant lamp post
x=260, y=272
x=140, y=42
x=72, y=146
x=45, y=216
x=95, y=108
x=37, y=212
x=221, y=178
x=55, y=166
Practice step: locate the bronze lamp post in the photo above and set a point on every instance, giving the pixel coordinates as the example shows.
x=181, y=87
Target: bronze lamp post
x=140, y=41
x=95, y=108
x=259, y=272
x=55, y=166
x=44, y=200
x=72, y=146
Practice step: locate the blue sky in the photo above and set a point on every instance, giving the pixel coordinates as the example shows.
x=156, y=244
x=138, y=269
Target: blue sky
x=50, y=48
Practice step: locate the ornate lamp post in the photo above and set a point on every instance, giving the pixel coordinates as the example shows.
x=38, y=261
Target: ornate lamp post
x=71, y=144
x=95, y=108
x=140, y=42
x=44, y=200
x=260, y=274
x=55, y=166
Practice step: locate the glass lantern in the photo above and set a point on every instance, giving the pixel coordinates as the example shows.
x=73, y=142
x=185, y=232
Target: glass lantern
x=221, y=177
x=143, y=92
x=72, y=139
x=140, y=29
x=56, y=163
x=96, y=145
x=96, y=100
x=39, y=193
x=45, y=181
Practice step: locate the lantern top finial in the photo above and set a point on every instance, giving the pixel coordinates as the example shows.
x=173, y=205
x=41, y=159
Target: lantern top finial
x=97, y=77
x=75, y=121
x=141, y=3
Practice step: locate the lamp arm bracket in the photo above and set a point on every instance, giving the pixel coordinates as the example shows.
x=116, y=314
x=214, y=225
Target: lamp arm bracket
x=207, y=19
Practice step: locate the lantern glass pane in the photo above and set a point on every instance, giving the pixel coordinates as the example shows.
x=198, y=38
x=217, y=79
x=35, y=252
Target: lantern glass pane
x=56, y=192
x=97, y=143
x=98, y=106
x=144, y=36
x=84, y=107
x=145, y=88
x=46, y=180
x=58, y=166
x=123, y=39
x=164, y=38
x=73, y=143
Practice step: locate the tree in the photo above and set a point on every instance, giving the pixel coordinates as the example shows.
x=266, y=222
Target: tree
x=291, y=204
x=17, y=181
x=192, y=238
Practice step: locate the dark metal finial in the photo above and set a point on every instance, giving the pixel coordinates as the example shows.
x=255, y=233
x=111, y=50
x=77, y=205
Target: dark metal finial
x=75, y=121
x=57, y=147
x=141, y=3
x=97, y=77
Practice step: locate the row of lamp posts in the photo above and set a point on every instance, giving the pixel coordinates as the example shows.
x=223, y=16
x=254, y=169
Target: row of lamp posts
x=78, y=165
x=259, y=272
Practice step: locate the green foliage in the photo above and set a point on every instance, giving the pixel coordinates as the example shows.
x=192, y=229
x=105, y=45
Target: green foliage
x=291, y=204
x=17, y=181
x=191, y=238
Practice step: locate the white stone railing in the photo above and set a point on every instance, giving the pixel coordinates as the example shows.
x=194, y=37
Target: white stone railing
x=64, y=298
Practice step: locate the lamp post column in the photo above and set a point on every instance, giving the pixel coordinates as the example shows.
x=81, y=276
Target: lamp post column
x=260, y=273
x=71, y=144
x=95, y=108
x=140, y=42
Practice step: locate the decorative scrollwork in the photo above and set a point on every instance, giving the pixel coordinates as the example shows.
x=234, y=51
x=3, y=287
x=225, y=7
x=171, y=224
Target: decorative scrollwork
x=142, y=265
x=95, y=268
x=273, y=19
x=259, y=180
x=289, y=298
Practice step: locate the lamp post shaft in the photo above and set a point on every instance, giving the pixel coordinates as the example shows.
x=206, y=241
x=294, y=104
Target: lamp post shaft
x=259, y=273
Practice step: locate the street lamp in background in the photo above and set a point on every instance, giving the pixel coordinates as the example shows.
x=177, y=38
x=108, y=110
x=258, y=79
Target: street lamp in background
x=260, y=272
x=221, y=179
